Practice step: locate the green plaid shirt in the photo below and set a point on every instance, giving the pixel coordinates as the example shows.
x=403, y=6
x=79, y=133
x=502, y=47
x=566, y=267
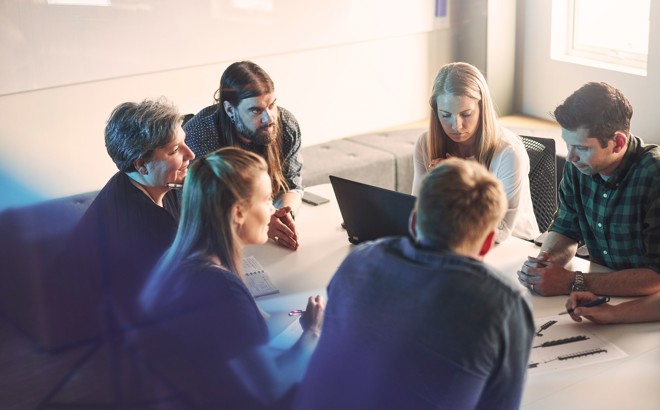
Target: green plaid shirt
x=618, y=219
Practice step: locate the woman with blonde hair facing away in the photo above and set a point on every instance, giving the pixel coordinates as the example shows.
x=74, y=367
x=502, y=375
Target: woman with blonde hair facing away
x=464, y=124
x=207, y=336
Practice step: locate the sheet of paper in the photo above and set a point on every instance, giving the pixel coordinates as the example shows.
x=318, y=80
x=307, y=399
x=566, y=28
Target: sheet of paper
x=256, y=278
x=568, y=344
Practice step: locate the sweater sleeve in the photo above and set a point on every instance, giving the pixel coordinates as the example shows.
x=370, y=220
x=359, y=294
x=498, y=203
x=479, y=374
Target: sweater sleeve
x=420, y=163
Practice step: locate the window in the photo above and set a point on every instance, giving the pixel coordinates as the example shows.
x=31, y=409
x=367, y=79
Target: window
x=608, y=34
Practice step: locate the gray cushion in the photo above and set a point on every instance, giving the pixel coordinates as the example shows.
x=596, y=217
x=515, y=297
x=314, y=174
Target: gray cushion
x=349, y=160
x=31, y=239
x=400, y=144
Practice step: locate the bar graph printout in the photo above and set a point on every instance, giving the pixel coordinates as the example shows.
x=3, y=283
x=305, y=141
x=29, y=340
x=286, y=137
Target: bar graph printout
x=561, y=343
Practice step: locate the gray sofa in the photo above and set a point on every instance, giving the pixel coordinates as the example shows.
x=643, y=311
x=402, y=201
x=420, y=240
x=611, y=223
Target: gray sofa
x=31, y=238
x=384, y=159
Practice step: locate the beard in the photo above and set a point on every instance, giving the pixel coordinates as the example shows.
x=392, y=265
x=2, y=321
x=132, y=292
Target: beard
x=263, y=135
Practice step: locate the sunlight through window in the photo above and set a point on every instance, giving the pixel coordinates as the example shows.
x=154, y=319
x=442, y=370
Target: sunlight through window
x=607, y=34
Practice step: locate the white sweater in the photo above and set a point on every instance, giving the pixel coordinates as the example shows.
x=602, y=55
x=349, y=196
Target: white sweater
x=510, y=164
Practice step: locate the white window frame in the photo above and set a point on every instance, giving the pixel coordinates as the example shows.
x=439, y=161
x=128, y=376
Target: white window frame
x=563, y=47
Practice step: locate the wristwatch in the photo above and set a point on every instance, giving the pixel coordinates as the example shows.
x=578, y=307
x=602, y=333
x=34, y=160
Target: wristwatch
x=579, y=285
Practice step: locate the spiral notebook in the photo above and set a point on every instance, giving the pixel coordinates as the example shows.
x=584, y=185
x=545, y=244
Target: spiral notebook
x=257, y=279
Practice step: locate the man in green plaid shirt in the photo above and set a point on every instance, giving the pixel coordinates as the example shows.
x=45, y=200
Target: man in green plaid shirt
x=609, y=198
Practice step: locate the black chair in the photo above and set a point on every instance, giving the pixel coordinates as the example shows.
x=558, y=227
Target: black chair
x=542, y=178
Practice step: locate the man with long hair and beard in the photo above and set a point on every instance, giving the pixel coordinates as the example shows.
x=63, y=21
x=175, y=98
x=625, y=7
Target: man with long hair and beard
x=246, y=115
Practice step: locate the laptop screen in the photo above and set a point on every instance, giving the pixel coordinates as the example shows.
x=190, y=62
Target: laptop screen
x=371, y=212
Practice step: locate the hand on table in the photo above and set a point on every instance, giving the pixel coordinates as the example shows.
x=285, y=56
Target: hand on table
x=282, y=228
x=544, y=277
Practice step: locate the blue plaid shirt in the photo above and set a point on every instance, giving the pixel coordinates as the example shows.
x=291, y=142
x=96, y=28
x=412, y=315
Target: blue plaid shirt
x=618, y=219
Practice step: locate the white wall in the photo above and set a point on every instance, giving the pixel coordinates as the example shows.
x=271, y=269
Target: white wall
x=51, y=139
x=500, y=53
x=542, y=83
x=50, y=45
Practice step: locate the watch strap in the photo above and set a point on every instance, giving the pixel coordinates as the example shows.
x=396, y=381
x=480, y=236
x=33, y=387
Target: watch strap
x=579, y=284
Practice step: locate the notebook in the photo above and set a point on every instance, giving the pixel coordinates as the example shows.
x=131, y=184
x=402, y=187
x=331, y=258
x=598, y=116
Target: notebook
x=257, y=279
x=371, y=212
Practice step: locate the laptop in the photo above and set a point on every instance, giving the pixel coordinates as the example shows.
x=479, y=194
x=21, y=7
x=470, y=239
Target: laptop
x=371, y=212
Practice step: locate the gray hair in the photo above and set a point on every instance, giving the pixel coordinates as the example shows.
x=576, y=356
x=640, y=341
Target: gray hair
x=135, y=130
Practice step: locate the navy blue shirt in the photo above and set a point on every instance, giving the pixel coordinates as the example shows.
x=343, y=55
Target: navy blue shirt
x=117, y=243
x=413, y=328
x=198, y=318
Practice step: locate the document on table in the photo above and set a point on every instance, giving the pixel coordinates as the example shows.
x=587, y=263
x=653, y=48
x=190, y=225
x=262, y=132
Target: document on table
x=562, y=343
x=256, y=278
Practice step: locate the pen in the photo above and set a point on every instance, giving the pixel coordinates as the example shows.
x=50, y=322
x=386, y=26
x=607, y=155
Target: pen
x=295, y=312
x=595, y=302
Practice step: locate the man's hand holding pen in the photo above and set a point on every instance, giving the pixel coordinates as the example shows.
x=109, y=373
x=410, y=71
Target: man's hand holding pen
x=594, y=308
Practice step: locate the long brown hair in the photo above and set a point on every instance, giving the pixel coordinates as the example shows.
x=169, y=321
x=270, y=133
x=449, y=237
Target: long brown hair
x=463, y=79
x=214, y=184
x=241, y=80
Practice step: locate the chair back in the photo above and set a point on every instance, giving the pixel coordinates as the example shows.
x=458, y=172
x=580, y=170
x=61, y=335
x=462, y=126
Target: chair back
x=542, y=178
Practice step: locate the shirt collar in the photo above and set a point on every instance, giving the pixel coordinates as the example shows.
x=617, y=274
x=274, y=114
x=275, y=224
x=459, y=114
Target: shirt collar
x=431, y=245
x=629, y=159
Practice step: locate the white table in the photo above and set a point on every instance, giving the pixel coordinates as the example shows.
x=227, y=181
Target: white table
x=629, y=383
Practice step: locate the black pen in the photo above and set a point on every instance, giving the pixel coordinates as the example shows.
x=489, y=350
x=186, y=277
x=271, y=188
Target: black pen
x=595, y=302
